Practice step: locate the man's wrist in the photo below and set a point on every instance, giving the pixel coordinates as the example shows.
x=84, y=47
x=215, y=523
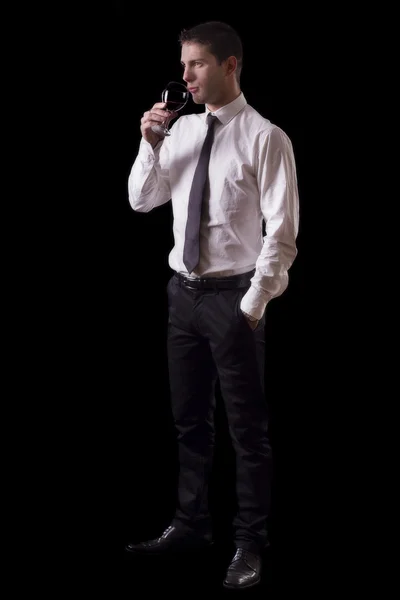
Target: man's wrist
x=249, y=316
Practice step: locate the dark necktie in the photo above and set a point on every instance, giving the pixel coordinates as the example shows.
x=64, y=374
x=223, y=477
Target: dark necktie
x=191, y=251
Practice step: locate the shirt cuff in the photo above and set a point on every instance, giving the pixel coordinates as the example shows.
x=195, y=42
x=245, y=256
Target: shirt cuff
x=147, y=152
x=254, y=303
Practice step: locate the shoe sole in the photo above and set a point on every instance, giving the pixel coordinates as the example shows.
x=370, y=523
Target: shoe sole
x=241, y=587
x=168, y=551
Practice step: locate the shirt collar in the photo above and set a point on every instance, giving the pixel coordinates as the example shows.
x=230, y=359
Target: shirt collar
x=227, y=112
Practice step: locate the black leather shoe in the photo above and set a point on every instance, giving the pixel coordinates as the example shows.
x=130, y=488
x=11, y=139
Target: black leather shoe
x=173, y=539
x=244, y=570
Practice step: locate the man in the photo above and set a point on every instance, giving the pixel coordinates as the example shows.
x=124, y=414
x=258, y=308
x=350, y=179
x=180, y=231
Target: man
x=225, y=274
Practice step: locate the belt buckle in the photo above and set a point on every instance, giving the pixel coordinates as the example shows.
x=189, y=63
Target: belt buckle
x=190, y=283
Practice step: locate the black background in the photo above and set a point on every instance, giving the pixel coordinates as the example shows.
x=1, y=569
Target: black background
x=110, y=379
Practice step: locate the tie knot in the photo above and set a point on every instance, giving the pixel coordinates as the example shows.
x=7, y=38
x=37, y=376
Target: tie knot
x=211, y=119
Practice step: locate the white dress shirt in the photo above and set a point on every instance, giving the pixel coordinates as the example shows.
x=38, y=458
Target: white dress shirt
x=252, y=176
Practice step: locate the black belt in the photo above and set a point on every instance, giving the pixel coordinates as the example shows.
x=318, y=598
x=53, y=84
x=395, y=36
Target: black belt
x=215, y=283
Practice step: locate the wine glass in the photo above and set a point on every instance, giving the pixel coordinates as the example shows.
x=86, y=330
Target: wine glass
x=175, y=95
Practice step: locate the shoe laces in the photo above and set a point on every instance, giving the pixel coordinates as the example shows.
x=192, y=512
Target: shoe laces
x=164, y=533
x=240, y=553
x=245, y=555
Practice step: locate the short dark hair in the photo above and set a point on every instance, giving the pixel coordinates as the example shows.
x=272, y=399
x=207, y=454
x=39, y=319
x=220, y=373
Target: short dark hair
x=222, y=41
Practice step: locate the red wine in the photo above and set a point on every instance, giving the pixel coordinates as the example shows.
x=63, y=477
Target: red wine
x=175, y=99
x=174, y=106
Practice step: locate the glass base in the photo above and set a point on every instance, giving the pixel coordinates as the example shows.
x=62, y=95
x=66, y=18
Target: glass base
x=160, y=130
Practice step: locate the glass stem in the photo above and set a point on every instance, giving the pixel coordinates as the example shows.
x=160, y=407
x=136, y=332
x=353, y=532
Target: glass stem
x=167, y=120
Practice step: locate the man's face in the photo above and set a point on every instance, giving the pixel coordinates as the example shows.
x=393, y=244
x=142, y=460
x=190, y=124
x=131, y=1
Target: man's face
x=204, y=76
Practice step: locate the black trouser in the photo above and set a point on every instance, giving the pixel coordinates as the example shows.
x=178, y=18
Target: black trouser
x=209, y=337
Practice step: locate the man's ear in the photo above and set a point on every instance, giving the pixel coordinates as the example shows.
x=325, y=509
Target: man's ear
x=230, y=65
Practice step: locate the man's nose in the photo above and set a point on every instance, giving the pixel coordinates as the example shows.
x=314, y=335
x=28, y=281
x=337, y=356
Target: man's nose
x=186, y=75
